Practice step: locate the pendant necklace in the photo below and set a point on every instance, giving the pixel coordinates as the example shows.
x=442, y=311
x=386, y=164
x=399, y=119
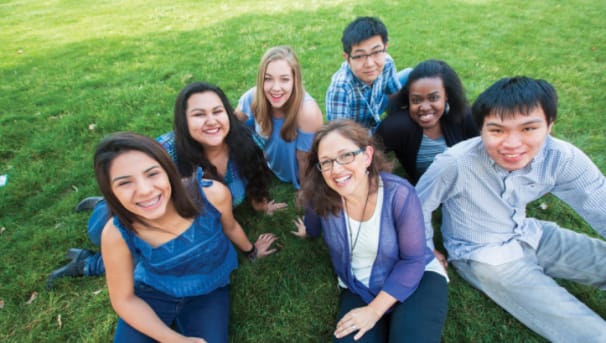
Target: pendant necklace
x=353, y=241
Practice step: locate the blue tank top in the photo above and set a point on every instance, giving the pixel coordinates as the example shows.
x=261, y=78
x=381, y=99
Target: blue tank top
x=196, y=262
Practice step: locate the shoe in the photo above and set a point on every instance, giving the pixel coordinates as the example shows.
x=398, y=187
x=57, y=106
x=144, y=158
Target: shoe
x=74, y=268
x=88, y=203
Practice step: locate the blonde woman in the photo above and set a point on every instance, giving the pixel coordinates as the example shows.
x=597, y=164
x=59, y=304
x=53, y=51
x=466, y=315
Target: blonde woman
x=283, y=116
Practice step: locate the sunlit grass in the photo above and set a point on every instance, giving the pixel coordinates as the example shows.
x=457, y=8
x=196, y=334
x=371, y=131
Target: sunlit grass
x=75, y=71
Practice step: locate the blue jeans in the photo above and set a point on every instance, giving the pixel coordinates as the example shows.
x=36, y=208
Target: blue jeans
x=93, y=265
x=420, y=318
x=525, y=288
x=205, y=316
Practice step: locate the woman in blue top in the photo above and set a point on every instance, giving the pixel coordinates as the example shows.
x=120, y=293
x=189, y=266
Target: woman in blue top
x=283, y=116
x=206, y=134
x=179, y=239
x=393, y=289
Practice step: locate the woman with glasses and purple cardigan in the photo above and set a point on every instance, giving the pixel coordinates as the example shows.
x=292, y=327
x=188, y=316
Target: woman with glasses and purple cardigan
x=393, y=289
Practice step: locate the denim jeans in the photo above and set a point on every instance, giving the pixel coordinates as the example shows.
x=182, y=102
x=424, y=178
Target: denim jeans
x=525, y=288
x=205, y=316
x=420, y=318
x=93, y=265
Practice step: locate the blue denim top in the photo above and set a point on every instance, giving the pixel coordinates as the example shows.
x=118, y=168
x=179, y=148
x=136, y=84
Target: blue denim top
x=196, y=262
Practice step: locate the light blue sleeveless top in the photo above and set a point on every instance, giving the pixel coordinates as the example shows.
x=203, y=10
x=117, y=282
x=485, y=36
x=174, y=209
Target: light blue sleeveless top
x=196, y=262
x=281, y=155
x=233, y=180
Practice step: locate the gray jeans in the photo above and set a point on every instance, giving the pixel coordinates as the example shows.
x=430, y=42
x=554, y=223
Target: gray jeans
x=525, y=288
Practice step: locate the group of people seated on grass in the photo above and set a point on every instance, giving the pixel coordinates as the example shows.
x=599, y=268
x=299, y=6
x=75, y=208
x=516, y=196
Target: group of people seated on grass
x=165, y=221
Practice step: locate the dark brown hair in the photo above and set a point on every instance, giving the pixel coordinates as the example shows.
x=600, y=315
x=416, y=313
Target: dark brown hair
x=115, y=145
x=314, y=190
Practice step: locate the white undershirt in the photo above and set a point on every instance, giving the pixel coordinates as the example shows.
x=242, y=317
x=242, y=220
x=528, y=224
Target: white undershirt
x=367, y=245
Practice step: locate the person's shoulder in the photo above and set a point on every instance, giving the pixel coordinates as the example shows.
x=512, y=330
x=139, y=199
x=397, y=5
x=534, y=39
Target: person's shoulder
x=396, y=184
x=389, y=178
x=341, y=77
x=389, y=61
x=166, y=138
x=562, y=150
x=111, y=232
x=216, y=193
x=309, y=118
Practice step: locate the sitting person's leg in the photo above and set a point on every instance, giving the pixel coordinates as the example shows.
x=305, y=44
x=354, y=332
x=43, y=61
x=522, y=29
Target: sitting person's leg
x=535, y=299
x=570, y=255
x=349, y=301
x=205, y=316
x=421, y=317
x=85, y=262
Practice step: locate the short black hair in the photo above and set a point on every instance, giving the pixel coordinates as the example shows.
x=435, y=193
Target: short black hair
x=362, y=29
x=516, y=95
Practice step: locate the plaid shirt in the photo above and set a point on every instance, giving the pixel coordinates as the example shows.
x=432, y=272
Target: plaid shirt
x=349, y=98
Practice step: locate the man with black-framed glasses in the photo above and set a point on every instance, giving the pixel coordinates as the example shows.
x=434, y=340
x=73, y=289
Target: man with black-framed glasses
x=359, y=90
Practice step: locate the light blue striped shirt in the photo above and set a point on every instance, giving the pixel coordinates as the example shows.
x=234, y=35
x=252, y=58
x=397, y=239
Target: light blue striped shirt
x=484, y=206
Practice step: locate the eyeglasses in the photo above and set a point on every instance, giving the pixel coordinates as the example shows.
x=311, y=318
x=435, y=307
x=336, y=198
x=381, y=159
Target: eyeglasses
x=364, y=57
x=343, y=159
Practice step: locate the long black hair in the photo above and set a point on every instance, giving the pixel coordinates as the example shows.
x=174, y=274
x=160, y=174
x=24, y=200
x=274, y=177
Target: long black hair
x=247, y=156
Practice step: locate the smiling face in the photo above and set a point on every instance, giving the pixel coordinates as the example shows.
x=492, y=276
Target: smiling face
x=141, y=185
x=365, y=65
x=278, y=83
x=348, y=179
x=427, y=100
x=207, y=119
x=514, y=141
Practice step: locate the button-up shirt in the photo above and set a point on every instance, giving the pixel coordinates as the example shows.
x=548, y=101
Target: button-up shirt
x=484, y=206
x=350, y=98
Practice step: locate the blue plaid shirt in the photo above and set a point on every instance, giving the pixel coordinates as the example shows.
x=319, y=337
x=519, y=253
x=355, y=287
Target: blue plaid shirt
x=484, y=206
x=350, y=98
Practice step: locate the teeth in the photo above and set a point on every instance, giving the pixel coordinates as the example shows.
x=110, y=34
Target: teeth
x=511, y=156
x=342, y=179
x=215, y=130
x=150, y=202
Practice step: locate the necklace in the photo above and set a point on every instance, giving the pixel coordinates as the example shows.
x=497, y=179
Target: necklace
x=353, y=241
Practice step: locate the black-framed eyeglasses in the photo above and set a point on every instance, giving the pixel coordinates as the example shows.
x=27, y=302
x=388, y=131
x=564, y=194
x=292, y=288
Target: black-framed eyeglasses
x=364, y=57
x=342, y=159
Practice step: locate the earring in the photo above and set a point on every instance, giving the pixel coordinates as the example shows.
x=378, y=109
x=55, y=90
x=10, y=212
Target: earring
x=446, y=108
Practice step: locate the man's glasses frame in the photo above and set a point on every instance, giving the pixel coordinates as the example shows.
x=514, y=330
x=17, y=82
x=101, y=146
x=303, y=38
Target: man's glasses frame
x=365, y=57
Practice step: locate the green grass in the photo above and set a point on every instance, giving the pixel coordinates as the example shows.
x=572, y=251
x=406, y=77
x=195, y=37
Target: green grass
x=72, y=72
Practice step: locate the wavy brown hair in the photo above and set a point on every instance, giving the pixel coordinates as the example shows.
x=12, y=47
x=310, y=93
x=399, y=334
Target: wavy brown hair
x=315, y=193
x=261, y=107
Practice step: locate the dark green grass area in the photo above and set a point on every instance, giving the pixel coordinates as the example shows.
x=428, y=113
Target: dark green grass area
x=73, y=72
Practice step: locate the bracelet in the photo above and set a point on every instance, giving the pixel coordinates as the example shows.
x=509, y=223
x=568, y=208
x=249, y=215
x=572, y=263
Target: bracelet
x=251, y=254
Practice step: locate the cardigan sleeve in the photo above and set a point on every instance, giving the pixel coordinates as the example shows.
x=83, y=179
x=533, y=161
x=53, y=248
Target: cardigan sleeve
x=410, y=265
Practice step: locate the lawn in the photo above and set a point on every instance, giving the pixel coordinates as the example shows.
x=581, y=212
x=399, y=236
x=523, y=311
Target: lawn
x=72, y=72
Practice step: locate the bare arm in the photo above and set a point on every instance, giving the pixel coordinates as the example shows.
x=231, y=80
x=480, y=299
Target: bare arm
x=220, y=197
x=120, y=285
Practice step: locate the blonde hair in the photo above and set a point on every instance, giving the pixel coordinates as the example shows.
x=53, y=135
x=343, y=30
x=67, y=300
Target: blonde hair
x=262, y=108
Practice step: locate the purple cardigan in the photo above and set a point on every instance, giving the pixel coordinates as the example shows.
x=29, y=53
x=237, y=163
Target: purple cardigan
x=402, y=252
